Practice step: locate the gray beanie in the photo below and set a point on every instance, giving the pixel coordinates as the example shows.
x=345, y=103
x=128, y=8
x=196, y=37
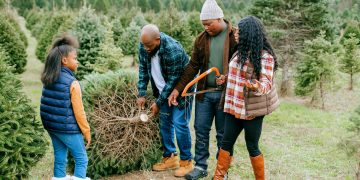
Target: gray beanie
x=211, y=10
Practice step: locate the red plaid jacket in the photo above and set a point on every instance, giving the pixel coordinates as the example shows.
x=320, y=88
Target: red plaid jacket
x=234, y=97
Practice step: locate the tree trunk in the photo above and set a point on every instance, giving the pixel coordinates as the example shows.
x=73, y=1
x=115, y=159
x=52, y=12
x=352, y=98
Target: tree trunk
x=358, y=172
x=351, y=82
x=322, y=95
x=133, y=64
x=8, y=4
x=64, y=4
x=285, y=81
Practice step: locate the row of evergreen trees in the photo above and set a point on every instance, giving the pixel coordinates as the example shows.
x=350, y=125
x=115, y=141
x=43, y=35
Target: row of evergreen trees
x=22, y=141
x=12, y=41
x=290, y=23
x=105, y=39
x=144, y=5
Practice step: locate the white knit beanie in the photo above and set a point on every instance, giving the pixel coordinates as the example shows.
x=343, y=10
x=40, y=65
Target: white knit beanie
x=211, y=10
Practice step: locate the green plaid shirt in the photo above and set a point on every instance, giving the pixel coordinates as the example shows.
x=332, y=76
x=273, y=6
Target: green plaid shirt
x=173, y=60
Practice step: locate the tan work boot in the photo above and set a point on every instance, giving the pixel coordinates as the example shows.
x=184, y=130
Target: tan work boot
x=166, y=163
x=185, y=167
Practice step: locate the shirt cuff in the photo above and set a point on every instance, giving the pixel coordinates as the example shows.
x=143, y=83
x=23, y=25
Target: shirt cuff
x=142, y=93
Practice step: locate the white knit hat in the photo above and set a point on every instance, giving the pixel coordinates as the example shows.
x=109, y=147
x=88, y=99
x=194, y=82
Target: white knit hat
x=211, y=10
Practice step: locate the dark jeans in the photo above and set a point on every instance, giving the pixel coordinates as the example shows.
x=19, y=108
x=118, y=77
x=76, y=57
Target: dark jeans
x=233, y=128
x=205, y=111
x=175, y=121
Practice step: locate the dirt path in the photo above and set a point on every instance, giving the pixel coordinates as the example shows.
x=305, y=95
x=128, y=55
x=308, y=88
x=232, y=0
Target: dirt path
x=31, y=77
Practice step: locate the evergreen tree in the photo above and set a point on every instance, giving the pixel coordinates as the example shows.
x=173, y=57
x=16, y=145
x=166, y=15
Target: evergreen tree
x=128, y=4
x=139, y=20
x=316, y=69
x=352, y=143
x=13, y=46
x=22, y=140
x=155, y=5
x=194, y=22
x=195, y=5
x=49, y=32
x=101, y=5
x=10, y=17
x=127, y=16
x=172, y=23
x=90, y=33
x=109, y=56
x=290, y=23
x=144, y=5
x=117, y=29
x=352, y=27
x=350, y=62
x=130, y=39
x=36, y=20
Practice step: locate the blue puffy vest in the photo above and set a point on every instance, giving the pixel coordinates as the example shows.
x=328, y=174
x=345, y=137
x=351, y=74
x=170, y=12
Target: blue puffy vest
x=56, y=111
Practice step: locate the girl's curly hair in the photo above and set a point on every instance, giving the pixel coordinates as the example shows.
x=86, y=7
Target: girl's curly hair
x=252, y=40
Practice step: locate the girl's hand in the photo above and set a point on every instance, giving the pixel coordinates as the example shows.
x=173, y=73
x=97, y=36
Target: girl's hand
x=220, y=80
x=88, y=143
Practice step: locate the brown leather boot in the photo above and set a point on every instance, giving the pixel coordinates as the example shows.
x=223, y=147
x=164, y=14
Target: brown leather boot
x=258, y=167
x=185, y=167
x=223, y=164
x=166, y=163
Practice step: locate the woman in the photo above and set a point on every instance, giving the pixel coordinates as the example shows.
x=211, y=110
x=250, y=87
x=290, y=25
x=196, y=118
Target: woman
x=250, y=95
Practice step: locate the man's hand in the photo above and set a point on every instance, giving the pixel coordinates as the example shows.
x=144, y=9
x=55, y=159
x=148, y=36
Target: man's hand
x=172, y=98
x=220, y=80
x=154, y=109
x=141, y=102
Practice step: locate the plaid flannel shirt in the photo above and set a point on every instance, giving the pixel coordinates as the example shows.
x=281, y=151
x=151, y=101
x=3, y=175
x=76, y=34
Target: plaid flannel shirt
x=173, y=60
x=235, y=96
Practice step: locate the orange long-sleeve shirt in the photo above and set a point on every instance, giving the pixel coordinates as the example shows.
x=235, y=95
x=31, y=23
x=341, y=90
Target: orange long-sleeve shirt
x=78, y=108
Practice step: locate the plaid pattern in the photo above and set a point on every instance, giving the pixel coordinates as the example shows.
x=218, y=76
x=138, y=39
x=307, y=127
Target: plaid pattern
x=235, y=96
x=173, y=60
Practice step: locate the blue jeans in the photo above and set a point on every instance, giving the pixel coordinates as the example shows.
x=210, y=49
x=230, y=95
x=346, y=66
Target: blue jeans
x=75, y=143
x=205, y=111
x=175, y=119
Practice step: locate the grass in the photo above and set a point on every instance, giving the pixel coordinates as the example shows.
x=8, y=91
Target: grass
x=298, y=141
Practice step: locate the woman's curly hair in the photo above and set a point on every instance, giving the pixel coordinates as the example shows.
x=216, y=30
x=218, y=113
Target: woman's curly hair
x=252, y=40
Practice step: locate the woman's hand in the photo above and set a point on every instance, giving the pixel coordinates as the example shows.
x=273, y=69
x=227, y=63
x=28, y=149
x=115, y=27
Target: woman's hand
x=221, y=80
x=252, y=85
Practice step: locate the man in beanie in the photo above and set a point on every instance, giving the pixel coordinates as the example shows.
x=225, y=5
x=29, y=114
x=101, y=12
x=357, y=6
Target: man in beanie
x=212, y=48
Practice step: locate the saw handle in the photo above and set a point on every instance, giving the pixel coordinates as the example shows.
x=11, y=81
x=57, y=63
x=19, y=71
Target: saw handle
x=191, y=83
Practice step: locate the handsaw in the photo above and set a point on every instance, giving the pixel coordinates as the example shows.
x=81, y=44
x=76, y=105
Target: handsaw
x=191, y=83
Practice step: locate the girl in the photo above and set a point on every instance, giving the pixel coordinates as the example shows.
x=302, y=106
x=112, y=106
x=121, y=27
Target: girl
x=250, y=95
x=62, y=112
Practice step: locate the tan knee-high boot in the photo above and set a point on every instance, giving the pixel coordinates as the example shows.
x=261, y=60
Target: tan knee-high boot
x=258, y=167
x=223, y=164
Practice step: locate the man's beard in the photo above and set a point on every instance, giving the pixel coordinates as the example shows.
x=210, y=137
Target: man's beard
x=154, y=51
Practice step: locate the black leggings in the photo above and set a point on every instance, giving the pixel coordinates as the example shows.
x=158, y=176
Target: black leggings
x=233, y=128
